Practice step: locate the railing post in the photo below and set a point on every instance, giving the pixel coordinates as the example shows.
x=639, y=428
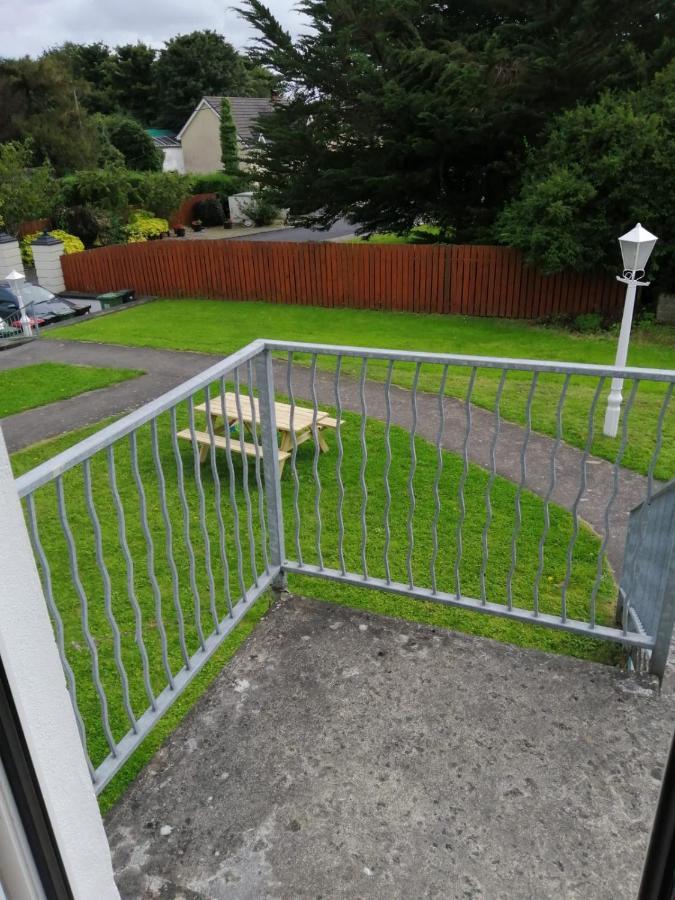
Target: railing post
x=664, y=628
x=270, y=447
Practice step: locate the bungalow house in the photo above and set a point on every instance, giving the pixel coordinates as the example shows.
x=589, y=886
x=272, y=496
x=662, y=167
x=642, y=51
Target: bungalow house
x=199, y=138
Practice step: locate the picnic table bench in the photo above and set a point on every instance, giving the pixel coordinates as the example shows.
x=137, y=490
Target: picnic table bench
x=290, y=420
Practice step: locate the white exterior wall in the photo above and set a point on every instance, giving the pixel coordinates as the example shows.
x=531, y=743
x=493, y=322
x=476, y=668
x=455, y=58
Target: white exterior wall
x=36, y=680
x=173, y=160
x=10, y=258
x=47, y=261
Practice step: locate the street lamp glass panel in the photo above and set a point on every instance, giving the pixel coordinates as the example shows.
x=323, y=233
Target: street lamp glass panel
x=636, y=248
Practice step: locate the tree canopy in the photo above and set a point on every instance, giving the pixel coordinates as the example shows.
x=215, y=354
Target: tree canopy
x=417, y=109
x=133, y=142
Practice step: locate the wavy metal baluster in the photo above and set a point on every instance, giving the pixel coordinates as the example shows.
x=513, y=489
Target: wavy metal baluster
x=635, y=561
x=387, y=470
x=315, y=463
x=168, y=536
x=411, y=478
x=186, y=531
x=131, y=591
x=58, y=625
x=84, y=616
x=201, y=499
x=107, y=595
x=218, y=497
x=258, y=477
x=488, y=488
x=294, y=455
x=364, y=463
x=247, y=492
x=439, y=473
x=150, y=556
x=338, y=467
x=519, y=491
x=233, y=496
x=612, y=498
x=549, y=492
x=577, y=499
x=462, y=481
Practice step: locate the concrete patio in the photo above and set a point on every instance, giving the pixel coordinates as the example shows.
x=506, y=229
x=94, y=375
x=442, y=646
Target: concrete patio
x=342, y=754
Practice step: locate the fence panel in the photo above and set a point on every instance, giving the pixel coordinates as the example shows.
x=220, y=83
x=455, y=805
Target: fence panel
x=466, y=280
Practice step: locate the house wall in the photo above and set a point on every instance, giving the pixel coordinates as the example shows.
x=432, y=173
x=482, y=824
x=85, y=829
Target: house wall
x=201, y=143
x=173, y=160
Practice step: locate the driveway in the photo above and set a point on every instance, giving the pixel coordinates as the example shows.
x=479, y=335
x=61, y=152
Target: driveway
x=341, y=229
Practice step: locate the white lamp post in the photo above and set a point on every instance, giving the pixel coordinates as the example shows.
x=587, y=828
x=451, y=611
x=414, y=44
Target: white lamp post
x=16, y=279
x=636, y=248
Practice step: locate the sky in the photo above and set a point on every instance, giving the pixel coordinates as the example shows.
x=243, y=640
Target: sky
x=31, y=26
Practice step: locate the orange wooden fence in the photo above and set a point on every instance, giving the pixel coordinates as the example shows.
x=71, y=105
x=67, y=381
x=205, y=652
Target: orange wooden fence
x=458, y=279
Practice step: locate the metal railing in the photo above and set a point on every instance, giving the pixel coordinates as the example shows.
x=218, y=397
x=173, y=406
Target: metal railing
x=150, y=557
x=18, y=328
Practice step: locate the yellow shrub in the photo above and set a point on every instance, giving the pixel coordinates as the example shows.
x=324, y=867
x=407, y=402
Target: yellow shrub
x=71, y=244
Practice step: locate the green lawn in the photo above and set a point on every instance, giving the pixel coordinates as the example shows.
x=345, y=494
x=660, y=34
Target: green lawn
x=222, y=327
x=31, y=386
x=498, y=536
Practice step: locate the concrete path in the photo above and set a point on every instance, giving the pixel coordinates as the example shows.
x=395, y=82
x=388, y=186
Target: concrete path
x=345, y=754
x=167, y=368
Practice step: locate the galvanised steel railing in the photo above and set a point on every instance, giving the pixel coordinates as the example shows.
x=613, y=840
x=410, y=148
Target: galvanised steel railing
x=150, y=556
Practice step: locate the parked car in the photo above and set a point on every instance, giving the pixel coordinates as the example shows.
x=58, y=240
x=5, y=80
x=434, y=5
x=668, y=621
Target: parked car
x=42, y=307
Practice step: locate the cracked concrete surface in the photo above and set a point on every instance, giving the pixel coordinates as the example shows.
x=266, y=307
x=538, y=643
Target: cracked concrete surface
x=342, y=754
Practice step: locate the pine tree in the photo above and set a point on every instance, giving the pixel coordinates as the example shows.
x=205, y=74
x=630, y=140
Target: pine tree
x=229, y=145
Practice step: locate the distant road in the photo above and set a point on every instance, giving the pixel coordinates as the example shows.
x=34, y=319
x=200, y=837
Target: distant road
x=340, y=229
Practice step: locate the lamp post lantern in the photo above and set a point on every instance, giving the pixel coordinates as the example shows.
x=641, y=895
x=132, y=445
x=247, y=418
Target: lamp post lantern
x=636, y=248
x=16, y=279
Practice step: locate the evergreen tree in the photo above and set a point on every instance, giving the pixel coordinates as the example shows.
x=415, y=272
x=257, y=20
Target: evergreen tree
x=416, y=109
x=229, y=145
x=130, y=139
x=131, y=81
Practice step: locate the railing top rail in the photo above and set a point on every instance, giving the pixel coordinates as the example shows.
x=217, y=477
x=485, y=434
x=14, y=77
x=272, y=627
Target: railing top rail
x=483, y=362
x=62, y=462
x=666, y=488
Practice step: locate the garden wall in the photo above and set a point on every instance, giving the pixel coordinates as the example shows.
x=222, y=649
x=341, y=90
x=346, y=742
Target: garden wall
x=457, y=279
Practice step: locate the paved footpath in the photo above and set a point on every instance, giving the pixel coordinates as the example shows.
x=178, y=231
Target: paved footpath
x=167, y=368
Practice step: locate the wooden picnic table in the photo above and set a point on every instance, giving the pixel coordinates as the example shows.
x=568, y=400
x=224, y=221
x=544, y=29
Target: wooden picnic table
x=290, y=420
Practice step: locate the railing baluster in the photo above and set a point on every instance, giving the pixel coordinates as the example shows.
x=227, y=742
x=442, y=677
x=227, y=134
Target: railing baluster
x=315, y=462
x=462, y=482
x=131, y=591
x=201, y=499
x=150, y=558
x=362, y=470
x=294, y=455
x=519, y=491
x=192, y=563
x=58, y=624
x=107, y=594
x=258, y=476
x=411, y=478
x=225, y=565
x=577, y=499
x=84, y=615
x=168, y=538
x=247, y=492
x=549, y=492
x=439, y=473
x=232, y=491
x=387, y=469
x=488, y=488
x=612, y=498
x=338, y=467
x=636, y=557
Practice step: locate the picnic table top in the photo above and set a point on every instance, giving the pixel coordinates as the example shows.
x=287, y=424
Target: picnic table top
x=302, y=417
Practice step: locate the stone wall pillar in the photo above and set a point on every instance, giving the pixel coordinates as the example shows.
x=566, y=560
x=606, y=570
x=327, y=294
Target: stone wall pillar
x=10, y=255
x=47, y=253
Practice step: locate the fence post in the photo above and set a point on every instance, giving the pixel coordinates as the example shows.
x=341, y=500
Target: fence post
x=37, y=686
x=270, y=446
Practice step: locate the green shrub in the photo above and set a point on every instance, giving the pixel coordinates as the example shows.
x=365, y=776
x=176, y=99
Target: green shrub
x=261, y=210
x=161, y=192
x=82, y=222
x=71, y=244
x=142, y=227
x=106, y=190
x=217, y=183
x=587, y=323
x=130, y=139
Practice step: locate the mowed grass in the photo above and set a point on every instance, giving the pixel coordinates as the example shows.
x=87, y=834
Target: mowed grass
x=213, y=595
x=222, y=327
x=31, y=386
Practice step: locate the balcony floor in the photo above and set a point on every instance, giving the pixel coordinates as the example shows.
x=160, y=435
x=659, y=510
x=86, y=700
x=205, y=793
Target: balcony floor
x=342, y=754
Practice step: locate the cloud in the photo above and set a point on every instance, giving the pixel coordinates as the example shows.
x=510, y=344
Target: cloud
x=32, y=26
